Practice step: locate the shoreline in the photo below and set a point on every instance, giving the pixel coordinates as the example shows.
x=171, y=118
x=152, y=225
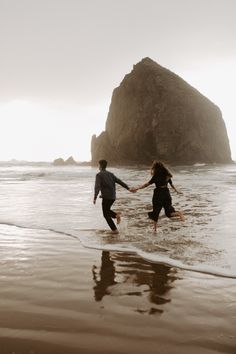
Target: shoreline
x=217, y=272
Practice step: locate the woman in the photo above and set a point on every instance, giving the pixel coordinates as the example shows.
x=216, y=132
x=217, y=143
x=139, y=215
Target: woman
x=161, y=176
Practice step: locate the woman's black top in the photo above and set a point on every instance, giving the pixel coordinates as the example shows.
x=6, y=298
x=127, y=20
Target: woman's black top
x=161, y=180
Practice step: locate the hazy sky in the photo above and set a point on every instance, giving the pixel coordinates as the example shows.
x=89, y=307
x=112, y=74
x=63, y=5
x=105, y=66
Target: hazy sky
x=61, y=59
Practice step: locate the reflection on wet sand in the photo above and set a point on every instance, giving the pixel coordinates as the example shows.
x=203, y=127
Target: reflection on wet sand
x=106, y=279
x=126, y=274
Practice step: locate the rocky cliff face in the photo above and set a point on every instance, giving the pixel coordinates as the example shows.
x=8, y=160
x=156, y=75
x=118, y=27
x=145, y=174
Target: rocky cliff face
x=154, y=114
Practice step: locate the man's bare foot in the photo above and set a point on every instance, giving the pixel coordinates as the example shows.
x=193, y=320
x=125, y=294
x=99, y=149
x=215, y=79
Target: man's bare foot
x=181, y=216
x=118, y=218
x=115, y=231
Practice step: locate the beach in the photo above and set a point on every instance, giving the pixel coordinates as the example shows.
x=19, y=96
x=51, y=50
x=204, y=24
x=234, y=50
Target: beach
x=58, y=297
x=67, y=288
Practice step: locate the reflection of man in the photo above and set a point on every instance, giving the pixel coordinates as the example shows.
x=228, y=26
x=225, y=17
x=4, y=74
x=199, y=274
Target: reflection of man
x=106, y=183
x=107, y=277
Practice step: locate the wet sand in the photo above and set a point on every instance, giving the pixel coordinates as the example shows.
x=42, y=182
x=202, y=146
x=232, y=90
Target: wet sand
x=58, y=297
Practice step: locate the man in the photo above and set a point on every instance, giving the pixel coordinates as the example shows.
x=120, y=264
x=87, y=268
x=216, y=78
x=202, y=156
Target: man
x=106, y=183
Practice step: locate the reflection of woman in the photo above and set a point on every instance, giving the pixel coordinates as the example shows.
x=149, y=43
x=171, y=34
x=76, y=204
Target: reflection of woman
x=160, y=284
x=107, y=277
x=161, y=176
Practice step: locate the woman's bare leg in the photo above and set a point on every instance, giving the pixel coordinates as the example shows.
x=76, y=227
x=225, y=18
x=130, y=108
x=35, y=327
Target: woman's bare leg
x=154, y=226
x=178, y=214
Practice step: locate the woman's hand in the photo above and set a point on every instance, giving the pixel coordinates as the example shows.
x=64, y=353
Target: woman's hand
x=178, y=192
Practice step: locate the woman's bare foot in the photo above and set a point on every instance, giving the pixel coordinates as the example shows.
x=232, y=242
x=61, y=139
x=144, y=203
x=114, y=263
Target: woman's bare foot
x=155, y=226
x=177, y=214
x=118, y=218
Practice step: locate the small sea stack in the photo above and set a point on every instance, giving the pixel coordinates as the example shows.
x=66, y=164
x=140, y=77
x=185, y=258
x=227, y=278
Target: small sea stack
x=61, y=162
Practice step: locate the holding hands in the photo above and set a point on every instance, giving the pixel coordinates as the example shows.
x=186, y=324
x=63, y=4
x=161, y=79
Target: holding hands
x=133, y=190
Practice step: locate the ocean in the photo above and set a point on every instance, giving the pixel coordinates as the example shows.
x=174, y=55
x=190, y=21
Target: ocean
x=44, y=197
x=67, y=285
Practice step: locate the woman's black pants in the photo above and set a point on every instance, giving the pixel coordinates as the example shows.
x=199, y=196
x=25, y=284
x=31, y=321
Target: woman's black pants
x=108, y=213
x=161, y=199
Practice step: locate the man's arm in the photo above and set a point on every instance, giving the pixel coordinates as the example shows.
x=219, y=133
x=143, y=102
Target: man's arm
x=123, y=184
x=97, y=188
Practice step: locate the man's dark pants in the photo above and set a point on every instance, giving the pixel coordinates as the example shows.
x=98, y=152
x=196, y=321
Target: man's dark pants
x=108, y=213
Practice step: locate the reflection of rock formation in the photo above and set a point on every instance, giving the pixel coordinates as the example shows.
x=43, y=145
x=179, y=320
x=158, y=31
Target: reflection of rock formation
x=154, y=114
x=135, y=272
x=61, y=162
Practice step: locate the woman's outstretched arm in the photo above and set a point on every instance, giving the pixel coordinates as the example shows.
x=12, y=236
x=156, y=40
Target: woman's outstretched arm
x=142, y=186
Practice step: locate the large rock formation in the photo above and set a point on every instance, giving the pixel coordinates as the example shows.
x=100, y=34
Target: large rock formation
x=154, y=114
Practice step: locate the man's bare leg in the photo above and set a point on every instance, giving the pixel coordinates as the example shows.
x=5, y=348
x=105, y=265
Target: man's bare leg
x=118, y=218
x=115, y=231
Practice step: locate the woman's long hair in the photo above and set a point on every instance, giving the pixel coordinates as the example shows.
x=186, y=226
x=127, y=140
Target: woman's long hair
x=158, y=168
